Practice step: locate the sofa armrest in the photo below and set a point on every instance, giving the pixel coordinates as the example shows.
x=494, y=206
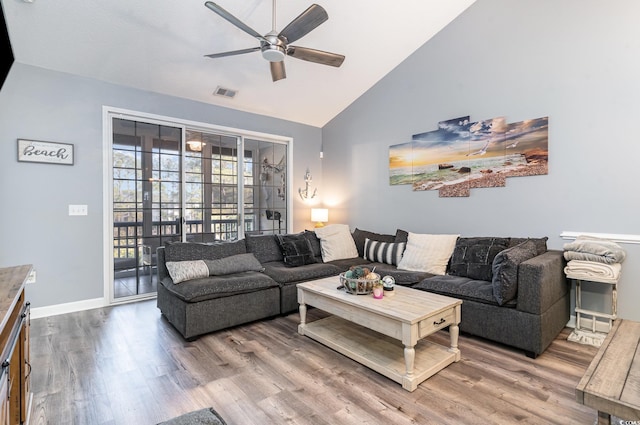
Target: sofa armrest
x=541, y=282
x=162, y=265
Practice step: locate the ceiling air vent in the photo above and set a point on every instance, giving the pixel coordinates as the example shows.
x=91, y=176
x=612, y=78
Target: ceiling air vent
x=221, y=91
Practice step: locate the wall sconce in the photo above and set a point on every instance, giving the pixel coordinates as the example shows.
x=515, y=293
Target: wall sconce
x=304, y=193
x=320, y=216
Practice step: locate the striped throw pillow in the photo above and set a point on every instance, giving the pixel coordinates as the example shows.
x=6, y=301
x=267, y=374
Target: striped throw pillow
x=383, y=252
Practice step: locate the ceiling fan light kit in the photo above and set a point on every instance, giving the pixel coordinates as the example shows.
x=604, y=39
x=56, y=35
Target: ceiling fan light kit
x=275, y=46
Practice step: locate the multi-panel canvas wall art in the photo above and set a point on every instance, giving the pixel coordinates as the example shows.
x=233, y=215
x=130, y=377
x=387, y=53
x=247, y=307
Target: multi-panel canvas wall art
x=462, y=155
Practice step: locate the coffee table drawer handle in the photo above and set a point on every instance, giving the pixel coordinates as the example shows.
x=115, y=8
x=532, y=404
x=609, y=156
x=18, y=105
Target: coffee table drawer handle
x=441, y=321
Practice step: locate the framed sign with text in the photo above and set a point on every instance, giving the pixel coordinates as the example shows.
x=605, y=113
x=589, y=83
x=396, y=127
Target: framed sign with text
x=47, y=152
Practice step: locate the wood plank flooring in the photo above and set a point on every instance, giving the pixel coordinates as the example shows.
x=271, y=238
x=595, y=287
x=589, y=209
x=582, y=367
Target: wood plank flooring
x=127, y=365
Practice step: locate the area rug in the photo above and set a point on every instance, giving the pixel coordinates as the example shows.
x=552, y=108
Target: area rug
x=199, y=417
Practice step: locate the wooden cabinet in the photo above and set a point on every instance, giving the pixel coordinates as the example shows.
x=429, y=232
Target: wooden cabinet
x=14, y=346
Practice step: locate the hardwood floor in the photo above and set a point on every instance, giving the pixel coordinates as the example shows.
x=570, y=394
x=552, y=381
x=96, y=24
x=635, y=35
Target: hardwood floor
x=127, y=365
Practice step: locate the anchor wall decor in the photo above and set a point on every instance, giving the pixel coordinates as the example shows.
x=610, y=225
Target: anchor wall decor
x=304, y=193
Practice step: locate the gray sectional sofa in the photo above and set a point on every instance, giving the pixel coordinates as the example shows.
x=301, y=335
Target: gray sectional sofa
x=528, y=316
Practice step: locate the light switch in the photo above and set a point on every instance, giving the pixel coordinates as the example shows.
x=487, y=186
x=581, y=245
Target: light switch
x=78, y=210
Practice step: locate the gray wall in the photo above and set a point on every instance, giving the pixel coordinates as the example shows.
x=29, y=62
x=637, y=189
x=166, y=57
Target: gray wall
x=67, y=252
x=576, y=61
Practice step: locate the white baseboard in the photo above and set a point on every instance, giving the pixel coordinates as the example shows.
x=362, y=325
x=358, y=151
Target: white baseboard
x=54, y=310
x=601, y=326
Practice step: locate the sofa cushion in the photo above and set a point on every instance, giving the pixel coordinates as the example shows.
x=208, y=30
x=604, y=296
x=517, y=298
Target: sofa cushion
x=505, y=270
x=459, y=287
x=402, y=277
x=473, y=257
x=181, y=271
x=360, y=236
x=428, y=253
x=541, y=243
x=210, y=287
x=296, y=250
x=233, y=264
x=336, y=242
x=188, y=251
x=345, y=263
x=265, y=247
x=383, y=252
x=284, y=274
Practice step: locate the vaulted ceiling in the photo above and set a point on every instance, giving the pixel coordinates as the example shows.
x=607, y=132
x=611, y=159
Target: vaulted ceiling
x=159, y=46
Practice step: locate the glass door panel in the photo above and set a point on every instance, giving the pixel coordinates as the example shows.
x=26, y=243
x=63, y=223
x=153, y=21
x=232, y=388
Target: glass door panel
x=146, y=201
x=265, y=189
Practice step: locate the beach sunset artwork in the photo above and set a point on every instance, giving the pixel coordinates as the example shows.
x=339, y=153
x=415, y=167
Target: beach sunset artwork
x=401, y=164
x=462, y=155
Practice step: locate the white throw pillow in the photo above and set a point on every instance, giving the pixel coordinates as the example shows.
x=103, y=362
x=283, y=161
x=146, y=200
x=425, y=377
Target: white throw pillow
x=181, y=271
x=428, y=253
x=336, y=242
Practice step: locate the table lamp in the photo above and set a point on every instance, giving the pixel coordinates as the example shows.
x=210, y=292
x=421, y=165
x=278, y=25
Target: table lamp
x=320, y=216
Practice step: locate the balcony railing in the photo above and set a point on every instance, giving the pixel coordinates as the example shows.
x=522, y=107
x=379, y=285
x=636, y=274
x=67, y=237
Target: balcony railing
x=131, y=247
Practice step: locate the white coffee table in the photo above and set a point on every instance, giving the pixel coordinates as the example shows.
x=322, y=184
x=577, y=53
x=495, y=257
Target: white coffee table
x=386, y=335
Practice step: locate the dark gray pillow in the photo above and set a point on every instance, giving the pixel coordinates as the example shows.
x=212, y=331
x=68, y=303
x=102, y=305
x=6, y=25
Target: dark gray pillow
x=401, y=236
x=234, y=264
x=265, y=247
x=359, y=237
x=505, y=270
x=473, y=257
x=541, y=243
x=314, y=241
x=296, y=250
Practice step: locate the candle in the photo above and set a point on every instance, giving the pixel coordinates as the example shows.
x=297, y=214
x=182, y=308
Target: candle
x=378, y=292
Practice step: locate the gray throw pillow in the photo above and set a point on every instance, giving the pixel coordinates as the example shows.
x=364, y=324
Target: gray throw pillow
x=296, y=250
x=473, y=257
x=359, y=237
x=314, y=241
x=541, y=243
x=505, y=270
x=234, y=264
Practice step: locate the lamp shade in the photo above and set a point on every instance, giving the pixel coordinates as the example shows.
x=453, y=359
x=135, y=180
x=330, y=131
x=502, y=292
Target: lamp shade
x=319, y=215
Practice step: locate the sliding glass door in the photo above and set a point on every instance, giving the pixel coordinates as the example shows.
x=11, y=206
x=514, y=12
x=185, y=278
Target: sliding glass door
x=147, y=204
x=181, y=183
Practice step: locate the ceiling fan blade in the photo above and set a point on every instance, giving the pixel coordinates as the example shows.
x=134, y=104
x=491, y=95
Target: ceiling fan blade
x=317, y=56
x=233, y=53
x=303, y=24
x=235, y=21
x=277, y=71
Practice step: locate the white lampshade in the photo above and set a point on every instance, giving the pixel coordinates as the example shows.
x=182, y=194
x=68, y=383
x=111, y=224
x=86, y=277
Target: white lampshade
x=319, y=215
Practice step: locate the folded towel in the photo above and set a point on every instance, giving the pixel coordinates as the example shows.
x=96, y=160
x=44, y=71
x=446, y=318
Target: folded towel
x=602, y=250
x=593, y=271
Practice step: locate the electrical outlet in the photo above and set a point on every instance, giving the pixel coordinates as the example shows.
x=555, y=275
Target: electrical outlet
x=32, y=277
x=78, y=210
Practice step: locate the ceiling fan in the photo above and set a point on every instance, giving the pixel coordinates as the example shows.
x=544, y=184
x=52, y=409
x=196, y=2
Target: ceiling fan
x=275, y=46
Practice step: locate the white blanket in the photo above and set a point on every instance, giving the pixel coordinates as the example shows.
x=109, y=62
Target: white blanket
x=593, y=271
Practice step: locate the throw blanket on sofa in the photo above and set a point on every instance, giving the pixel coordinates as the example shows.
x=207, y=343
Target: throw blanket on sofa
x=589, y=270
x=586, y=248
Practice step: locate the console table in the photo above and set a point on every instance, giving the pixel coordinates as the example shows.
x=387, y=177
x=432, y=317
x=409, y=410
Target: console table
x=15, y=392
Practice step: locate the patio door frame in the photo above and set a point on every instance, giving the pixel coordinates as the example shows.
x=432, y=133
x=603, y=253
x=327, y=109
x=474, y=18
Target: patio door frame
x=108, y=114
